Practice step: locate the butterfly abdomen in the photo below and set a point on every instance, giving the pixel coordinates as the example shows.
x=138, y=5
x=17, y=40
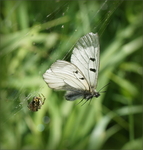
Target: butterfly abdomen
x=73, y=95
x=87, y=95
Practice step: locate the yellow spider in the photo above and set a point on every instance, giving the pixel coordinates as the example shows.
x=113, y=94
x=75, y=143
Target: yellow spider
x=36, y=103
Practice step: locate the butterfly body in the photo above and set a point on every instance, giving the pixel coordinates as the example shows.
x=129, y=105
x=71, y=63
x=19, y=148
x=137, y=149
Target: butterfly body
x=81, y=94
x=78, y=77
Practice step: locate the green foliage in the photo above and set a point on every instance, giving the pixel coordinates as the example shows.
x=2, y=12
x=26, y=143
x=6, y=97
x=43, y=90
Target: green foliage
x=33, y=35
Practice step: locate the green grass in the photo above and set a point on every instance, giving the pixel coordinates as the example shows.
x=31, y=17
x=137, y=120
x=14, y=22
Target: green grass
x=33, y=35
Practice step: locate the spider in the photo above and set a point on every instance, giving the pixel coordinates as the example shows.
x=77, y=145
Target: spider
x=36, y=103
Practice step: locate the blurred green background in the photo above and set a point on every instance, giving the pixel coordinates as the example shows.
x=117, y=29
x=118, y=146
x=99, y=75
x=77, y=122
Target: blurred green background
x=33, y=35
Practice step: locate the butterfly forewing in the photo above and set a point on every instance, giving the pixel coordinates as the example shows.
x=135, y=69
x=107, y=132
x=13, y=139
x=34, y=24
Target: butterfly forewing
x=86, y=57
x=65, y=76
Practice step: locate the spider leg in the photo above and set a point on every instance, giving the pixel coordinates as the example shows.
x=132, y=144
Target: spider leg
x=44, y=98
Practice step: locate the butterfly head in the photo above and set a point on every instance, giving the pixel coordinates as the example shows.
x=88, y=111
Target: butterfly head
x=96, y=94
x=89, y=95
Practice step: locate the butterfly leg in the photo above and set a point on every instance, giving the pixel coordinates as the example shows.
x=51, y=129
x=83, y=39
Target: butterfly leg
x=80, y=101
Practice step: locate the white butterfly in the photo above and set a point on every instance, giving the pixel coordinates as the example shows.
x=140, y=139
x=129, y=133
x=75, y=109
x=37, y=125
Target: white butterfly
x=78, y=77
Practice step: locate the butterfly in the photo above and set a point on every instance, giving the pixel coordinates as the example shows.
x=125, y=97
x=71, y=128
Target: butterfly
x=78, y=77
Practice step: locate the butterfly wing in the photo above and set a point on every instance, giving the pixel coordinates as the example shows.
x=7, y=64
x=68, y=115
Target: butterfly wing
x=65, y=76
x=86, y=57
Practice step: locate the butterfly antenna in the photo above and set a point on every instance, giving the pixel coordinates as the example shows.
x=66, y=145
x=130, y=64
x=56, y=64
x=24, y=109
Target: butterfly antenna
x=102, y=91
x=103, y=87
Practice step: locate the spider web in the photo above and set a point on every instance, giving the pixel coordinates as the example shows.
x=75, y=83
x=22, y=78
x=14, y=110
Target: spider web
x=14, y=105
